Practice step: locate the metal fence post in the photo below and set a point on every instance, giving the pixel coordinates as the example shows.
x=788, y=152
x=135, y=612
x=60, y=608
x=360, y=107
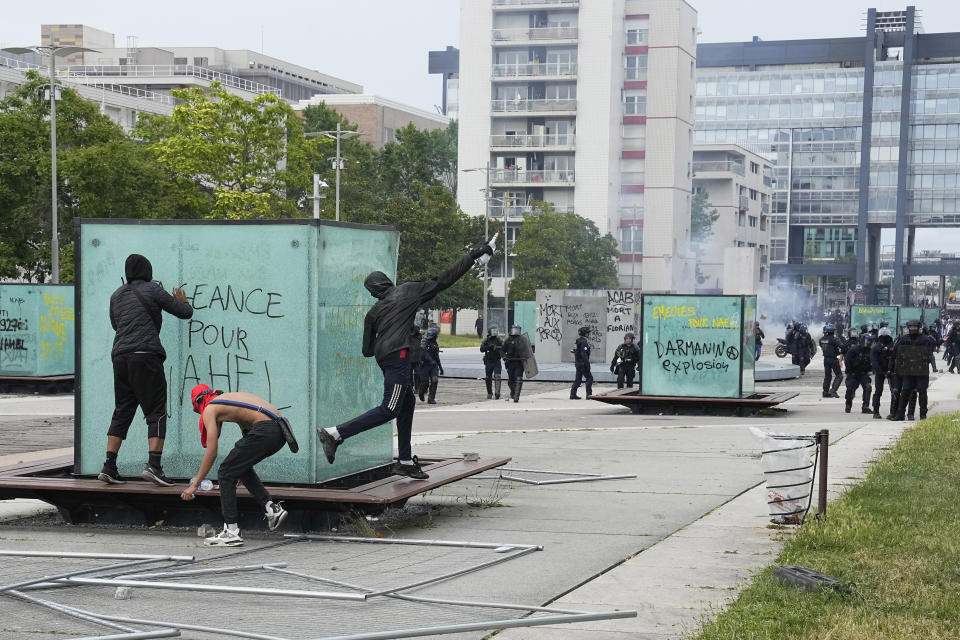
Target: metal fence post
x=823, y=440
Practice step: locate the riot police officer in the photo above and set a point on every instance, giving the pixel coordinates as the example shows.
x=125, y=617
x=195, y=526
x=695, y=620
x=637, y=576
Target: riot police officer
x=581, y=359
x=802, y=348
x=911, y=355
x=430, y=368
x=625, y=361
x=416, y=354
x=492, y=349
x=513, y=357
x=832, y=348
x=858, y=373
x=880, y=360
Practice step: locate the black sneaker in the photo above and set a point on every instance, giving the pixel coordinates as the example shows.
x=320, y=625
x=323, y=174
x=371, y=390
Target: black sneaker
x=110, y=475
x=329, y=443
x=410, y=470
x=834, y=394
x=876, y=415
x=909, y=416
x=866, y=410
x=155, y=475
x=923, y=416
x=574, y=397
x=847, y=408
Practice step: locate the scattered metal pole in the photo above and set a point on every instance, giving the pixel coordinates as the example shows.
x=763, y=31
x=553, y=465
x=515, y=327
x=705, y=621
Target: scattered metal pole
x=483, y=626
x=101, y=556
x=139, y=635
x=68, y=574
x=70, y=611
x=565, y=480
x=428, y=543
x=189, y=627
x=187, y=586
x=198, y=572
x=823, y=439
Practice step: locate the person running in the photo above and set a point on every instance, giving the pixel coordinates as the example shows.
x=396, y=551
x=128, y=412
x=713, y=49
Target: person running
x=263, y=428
x=386, y=336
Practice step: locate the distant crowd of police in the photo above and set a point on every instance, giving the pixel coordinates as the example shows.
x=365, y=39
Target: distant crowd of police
x=873, y=358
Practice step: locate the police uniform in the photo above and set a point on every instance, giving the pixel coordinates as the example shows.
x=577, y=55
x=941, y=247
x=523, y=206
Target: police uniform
x=581, y=359
x=881, y=360
x=858, y=375
x=624, y=364
x=911, y=355
x=491, y=348
x=430, y=368
x=832, y=348
x=513, y=357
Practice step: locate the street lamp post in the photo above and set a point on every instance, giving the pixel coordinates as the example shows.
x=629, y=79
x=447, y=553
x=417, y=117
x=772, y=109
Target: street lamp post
x=53, y=50
x=337, y=162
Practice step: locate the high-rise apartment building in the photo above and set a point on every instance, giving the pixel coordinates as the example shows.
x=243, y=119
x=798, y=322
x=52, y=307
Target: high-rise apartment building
x=586, y=105
x=864, y=134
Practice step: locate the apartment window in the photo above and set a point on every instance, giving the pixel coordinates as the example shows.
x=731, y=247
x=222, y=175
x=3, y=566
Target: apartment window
x=741, y=219
x=752, y=221
x=631, y=239
x=635, y=103
x=753, y=194
x=180, y=61
x=778, y=249
x=754, y=167
x=636, y=36
x=389, y=135
x=201, y=62
x=635, y=67
x=562, y=92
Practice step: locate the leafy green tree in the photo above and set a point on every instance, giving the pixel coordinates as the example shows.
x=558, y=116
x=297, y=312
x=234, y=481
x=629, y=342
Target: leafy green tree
x=247, y=154
x=419, y=155
x=702, y=217
x=561, y=251
x=99, y=172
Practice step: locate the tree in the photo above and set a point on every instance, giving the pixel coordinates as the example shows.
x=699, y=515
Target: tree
x=702, y=217
x=248, y=154
x=419, y=155
x=561, y=251
x=99, y=172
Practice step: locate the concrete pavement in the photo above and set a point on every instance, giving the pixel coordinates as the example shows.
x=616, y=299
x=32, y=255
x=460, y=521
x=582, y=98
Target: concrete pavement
x=676, y=543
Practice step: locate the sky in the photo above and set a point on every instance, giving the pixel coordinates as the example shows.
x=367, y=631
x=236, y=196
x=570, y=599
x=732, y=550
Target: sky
x=383, y=44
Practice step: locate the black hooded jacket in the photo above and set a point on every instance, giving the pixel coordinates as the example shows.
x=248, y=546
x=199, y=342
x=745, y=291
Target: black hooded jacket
x=137, y=325
x=386, y=328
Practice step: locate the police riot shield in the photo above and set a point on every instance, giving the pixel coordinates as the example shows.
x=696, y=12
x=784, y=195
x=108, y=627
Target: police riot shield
x=529, y=360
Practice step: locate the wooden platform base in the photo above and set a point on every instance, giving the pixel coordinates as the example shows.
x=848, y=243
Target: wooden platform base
x=694, y=406
x=311, y=507
x=42, y=385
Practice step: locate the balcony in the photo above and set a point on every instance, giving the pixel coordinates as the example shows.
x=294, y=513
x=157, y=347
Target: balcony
x=513, y=211
x=533, y=177
x=764, y=206
x=523, y=141
x=559, y=107
x=717, y=166
x=535, y=70
x=515, y=5
x=635, y=73
x=632, y=177
x=540, y=34
x=744, y=203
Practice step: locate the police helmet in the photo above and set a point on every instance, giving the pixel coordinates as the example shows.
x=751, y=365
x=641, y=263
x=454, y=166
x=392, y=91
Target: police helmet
x=913, y=326
x=515, y=330
x=885, y=332
x=492, y=331
x=803, y=328
x=629, y=335
x=884, y=323
x=584, y=331
x=829, y=328
x=933, y=325
x=432, y=332
x=868, y=337
x=864, y=328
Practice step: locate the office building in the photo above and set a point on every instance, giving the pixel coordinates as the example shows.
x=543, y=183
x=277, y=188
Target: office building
x=737, y=184
x=159, y=69
x=588, y=106
x=377, y=118
x=863, y=133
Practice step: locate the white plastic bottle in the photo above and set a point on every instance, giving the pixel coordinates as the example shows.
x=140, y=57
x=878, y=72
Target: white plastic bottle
x=205, y=485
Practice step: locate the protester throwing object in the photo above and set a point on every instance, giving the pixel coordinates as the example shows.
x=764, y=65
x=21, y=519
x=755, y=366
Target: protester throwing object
x=386, y=330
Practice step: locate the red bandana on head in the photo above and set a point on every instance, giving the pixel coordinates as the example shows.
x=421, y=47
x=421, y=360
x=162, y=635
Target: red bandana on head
x=200, y=396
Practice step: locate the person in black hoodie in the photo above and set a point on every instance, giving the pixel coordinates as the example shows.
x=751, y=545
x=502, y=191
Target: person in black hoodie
x=138, y=378
x=386, y=336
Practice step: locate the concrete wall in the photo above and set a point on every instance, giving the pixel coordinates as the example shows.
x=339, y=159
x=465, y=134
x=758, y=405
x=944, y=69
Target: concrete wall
x=609, y=312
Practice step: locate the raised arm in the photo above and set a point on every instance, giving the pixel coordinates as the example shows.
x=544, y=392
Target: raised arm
x=427, y=289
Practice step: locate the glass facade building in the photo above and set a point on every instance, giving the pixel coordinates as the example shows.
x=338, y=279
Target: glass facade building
x=851, y=156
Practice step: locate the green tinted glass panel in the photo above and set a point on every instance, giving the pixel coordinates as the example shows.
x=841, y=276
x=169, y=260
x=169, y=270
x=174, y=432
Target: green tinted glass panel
x=865, y=314
x=692, y=345
x=36, y=330
x=278, y=312
x=525, y=315
x=911, y=313
x=749, y=345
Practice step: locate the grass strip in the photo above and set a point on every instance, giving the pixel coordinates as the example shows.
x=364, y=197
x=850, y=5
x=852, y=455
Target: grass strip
x=895, y=538
x=448, y=341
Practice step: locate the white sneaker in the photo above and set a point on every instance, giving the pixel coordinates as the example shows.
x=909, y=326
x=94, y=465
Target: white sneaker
x=275, y=516
x=225, y=538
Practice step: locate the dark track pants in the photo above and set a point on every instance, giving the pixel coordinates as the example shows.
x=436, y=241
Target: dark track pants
x=262, y=441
